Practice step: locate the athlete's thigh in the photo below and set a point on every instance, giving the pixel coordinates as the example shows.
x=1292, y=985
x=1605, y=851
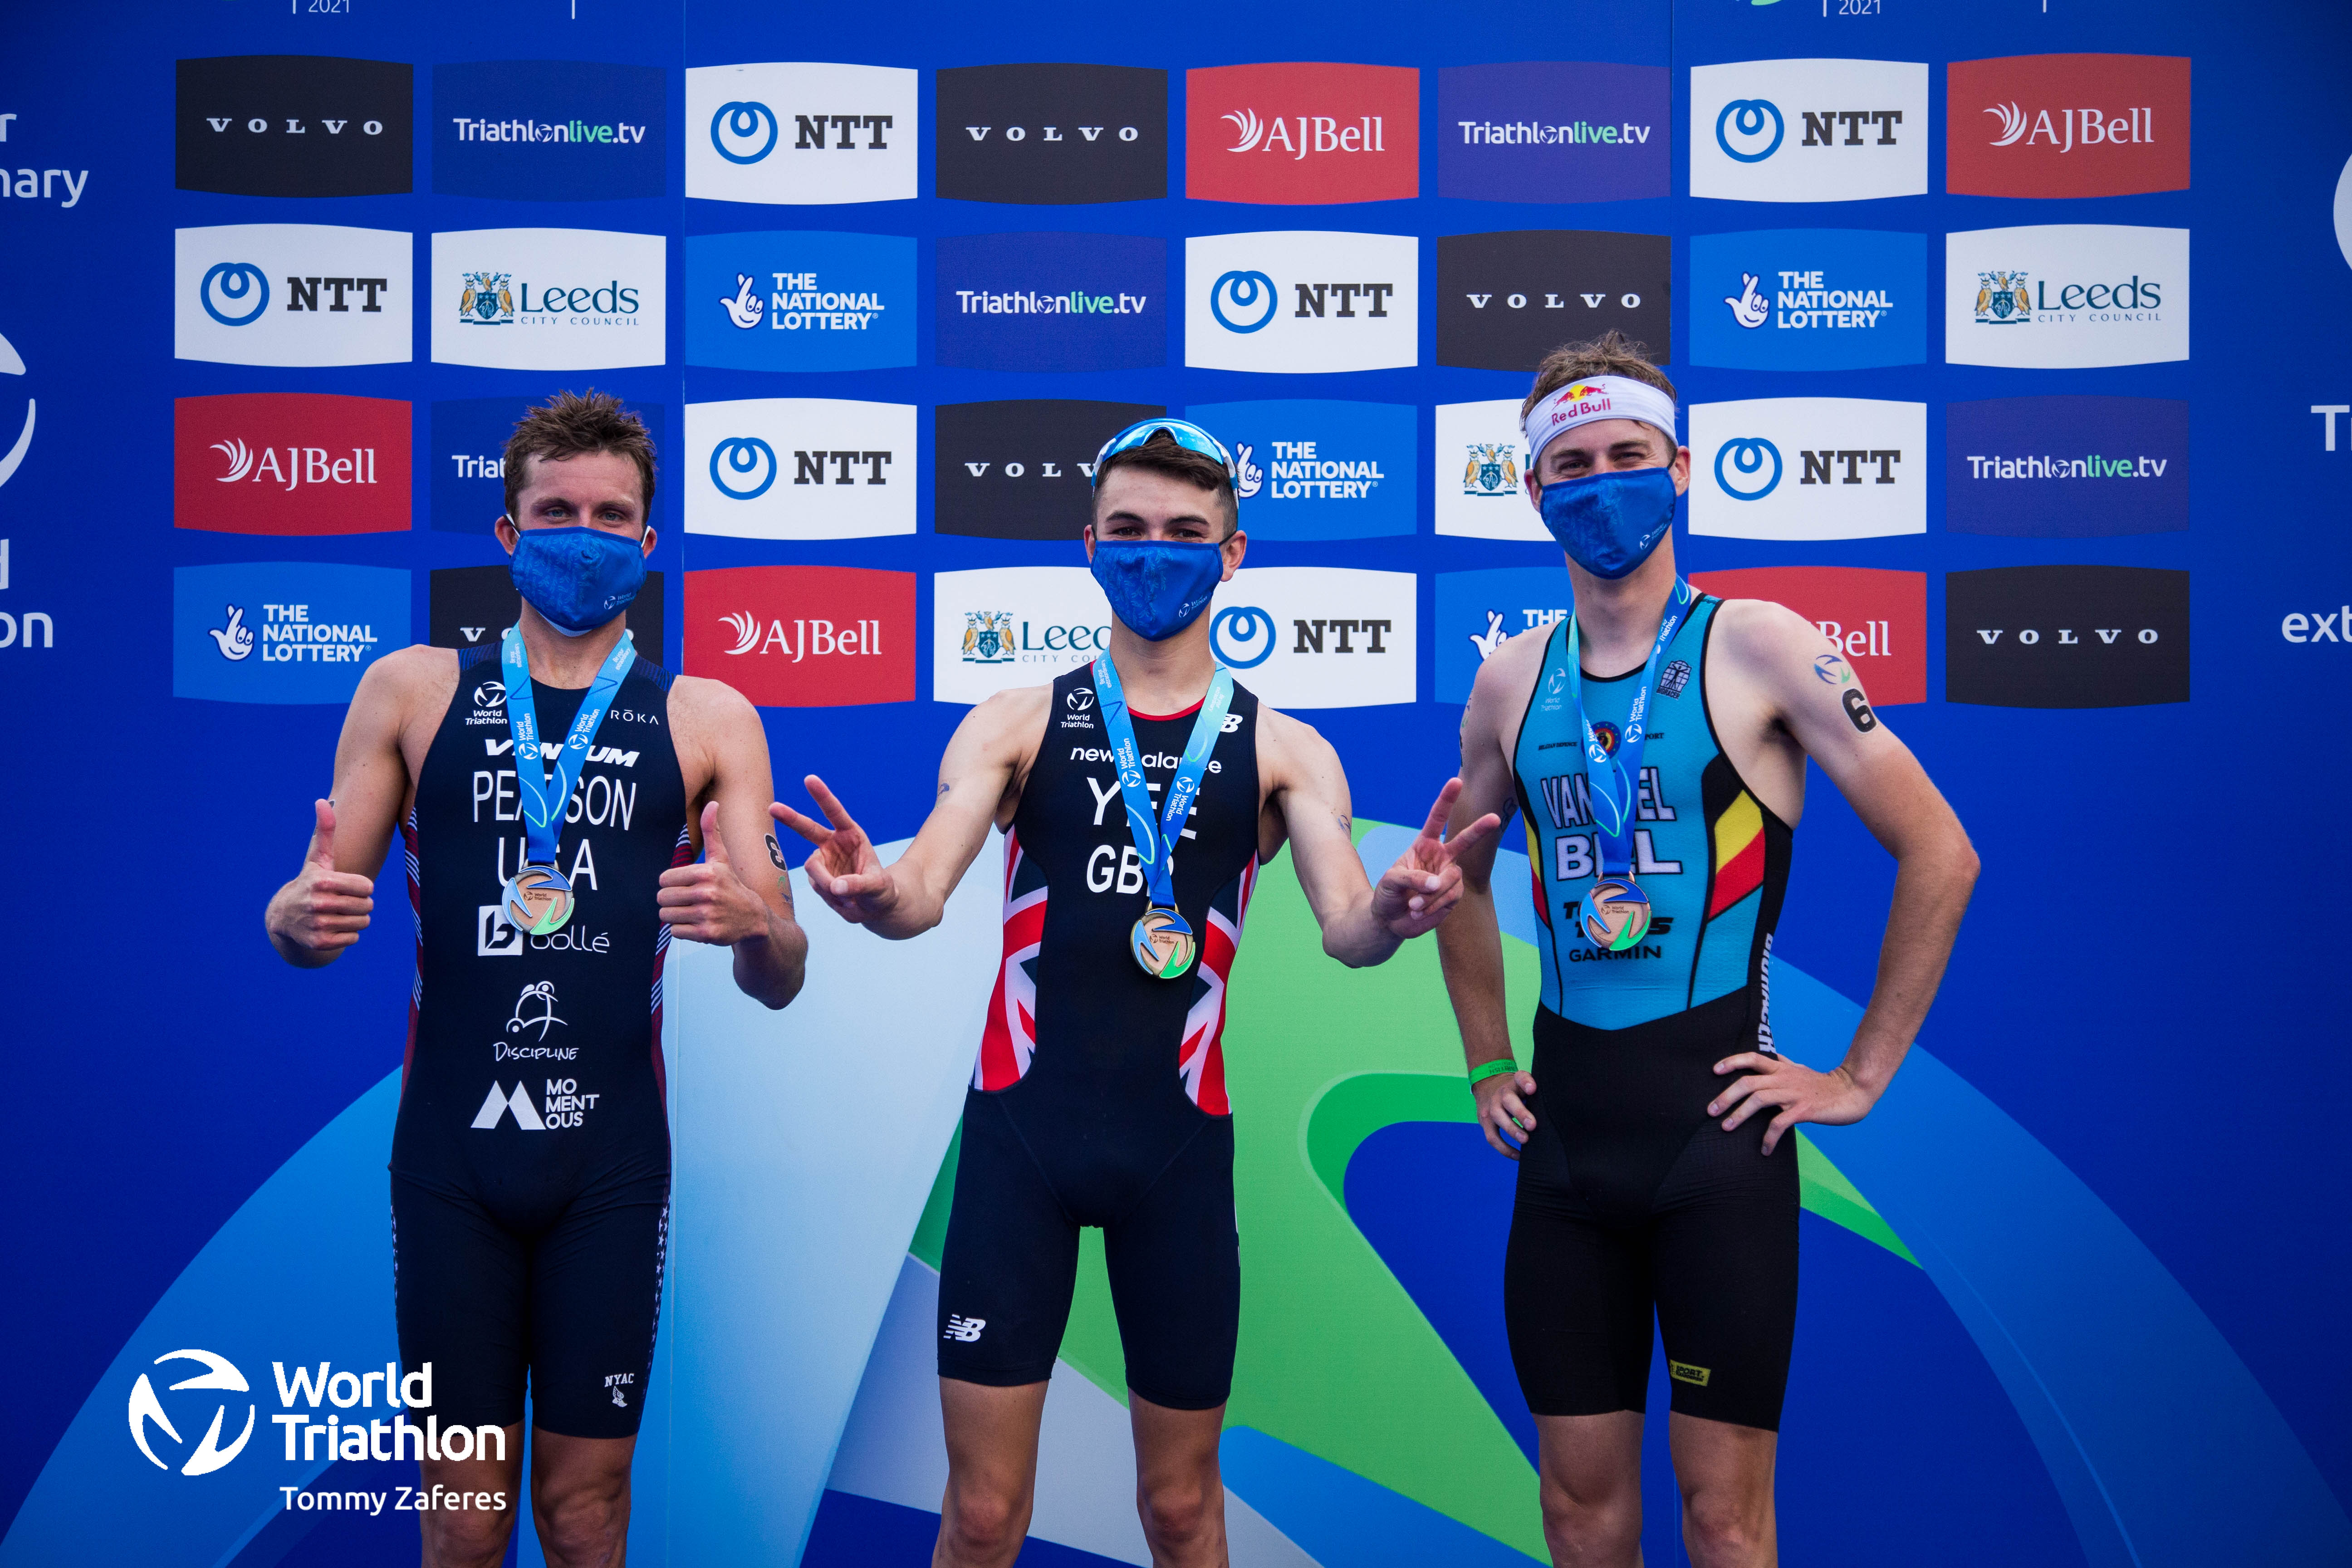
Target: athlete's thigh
x=1175, y=1265
x=596, y=1283
x=1723, y=1258
x=461, y=1299
x=1010, y=1260
x=1576, y=1305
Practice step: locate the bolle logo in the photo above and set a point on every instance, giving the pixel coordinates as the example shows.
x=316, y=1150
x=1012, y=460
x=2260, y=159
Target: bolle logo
x=743, y=457
x=146, y=1410
x=1251, y=296
x=743, y=131
x=496, y=936
x=1739, y=130
x=231, y=283
x=1243, y=637
x=485, y=300
x=1749, y=456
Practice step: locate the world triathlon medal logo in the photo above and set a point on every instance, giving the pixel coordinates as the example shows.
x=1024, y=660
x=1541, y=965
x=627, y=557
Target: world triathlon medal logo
x=487, y=301
x=1616, y=914
x=2002, y=299
x=539, y=899
x=1163, y=944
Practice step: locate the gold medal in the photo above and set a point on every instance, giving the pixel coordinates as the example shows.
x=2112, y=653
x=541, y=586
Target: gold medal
x=538, y=900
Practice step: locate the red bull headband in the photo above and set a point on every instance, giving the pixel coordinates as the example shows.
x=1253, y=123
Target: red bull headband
x=1600, y=397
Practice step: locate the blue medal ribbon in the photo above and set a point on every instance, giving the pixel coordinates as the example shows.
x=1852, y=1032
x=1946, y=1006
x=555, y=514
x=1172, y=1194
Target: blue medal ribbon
x=1614, y=782
x=1155, y=833
x=543, y=804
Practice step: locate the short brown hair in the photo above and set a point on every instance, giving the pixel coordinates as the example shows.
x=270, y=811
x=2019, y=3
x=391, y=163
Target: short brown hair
x=1610, y=354
x=566, y=426
x=1161, y=455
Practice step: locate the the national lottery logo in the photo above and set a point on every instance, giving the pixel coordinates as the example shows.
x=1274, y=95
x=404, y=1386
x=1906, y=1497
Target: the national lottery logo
x=798, y=132
x=1478, y=612
x=1809, y=299
x=1309, y=469
x=282, y=631
x=1301, y=301
x=800, y=299
x=1809, y=129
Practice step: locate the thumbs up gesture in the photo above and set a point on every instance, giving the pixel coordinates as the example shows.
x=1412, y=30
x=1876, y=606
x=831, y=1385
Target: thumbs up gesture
x=708, y=902
x=323, y=910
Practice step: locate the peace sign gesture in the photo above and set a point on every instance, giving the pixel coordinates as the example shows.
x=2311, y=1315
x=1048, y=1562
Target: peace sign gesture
x=843, y=868
x=1420, y=891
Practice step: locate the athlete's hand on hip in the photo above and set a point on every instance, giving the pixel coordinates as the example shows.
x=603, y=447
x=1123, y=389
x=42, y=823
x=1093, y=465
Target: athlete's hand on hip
x=708, y=902
x=1418, y=892
x=1503, y=1113
x=323, y=909
x=1832, y=1099
x=842, y=867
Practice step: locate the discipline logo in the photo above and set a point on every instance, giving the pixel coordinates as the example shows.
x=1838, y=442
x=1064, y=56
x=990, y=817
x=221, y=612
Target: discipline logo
x=1301, y=301
x=1546, y=131
x=1051, y=134
x=1477, y=612
x=2066, y=296
x=291, y=294
x=282, y=631
x=1504, y=300
x=2066, y=636
x=1808, y=467
x=1316, y=469
x=1809, y=130
x=1052, y=301
x=2066, y=467
x=1313, y=637
x=1478, y=478
x=468, y=606
x=1021, y=469
x=800, y=299
x=803, y=636
x=1809, y=299
x=800, y=468
x=1877, y=619
x=2066, y=125
x=1302, y=135
x=548, y=298
x=1012, y=626
x=290, y=462
x=294, y=125
x=465, y=457
x=549, y=131
x=796, y=133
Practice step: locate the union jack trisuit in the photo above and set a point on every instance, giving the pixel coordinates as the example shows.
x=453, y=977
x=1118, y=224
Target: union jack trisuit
x=531, y=1158
x=1098, y=1093
x=1632, y=1201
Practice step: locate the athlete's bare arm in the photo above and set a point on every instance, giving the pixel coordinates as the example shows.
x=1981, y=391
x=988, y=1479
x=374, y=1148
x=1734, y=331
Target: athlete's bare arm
x=980, y=775
x=1780, y=692
x=330, y=901
x=734, y=897
x=1306, y=800
x=1470, y=945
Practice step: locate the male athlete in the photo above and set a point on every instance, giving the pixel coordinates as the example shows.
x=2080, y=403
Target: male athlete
x=1654, y=744
x=1098, y=1098
x=530, y=1159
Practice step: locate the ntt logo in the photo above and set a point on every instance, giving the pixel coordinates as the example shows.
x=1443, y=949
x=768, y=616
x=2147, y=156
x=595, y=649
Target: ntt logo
x=742, y=457
x=1242, y=636
x=1748, y=457
x=233, y=281
x=735, y=131
x=1739, y=130
x=1243, y=291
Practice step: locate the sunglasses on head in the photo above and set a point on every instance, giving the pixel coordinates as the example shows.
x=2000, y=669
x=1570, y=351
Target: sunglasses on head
x=1185, y=433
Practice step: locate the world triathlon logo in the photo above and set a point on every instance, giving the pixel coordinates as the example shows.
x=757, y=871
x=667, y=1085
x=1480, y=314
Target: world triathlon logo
x=743, y=131
x=1242, y=636
x=1741, y=130
x=226, y=287
x=1249, y=293
x=1746, y=467
x=743, y=467
x=149, y=1419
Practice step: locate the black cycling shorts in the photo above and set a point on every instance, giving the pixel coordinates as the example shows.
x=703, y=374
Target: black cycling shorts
x=1634, y=1202
x=569, y=1305
x=1169, y=1244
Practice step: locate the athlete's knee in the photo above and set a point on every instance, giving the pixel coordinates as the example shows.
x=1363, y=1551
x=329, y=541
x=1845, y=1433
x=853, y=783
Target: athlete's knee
x=1180, y=1513
x=1590, y=1517
x=582, y=1522
x=1728, y=1527
x=465, y=1538
x=982, y=1523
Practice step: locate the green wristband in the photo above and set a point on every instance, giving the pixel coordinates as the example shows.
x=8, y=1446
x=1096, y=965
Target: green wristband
x=1489, y=1069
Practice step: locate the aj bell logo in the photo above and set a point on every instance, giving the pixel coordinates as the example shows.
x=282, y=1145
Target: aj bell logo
x=1315, y=132
x=2093, y=126
x=147, y=1410
x=303, y=464
x=820, y=638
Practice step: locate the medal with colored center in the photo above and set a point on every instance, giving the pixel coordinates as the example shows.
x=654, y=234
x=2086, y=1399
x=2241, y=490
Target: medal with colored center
x=1163, y=944
x=1162, y=940
x=538, y=900
x=1616, y=913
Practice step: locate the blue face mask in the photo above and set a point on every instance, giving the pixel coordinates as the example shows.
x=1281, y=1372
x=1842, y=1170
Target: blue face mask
x=1609, y=523
x=1158, y=587
x=577, y=578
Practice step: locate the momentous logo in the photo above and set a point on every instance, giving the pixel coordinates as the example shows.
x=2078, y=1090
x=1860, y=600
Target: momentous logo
x=2066, y=636
x=2066, y=125
x=1809, y=299
x=1302, y=135
x=803, y=636
x=1809, y=129
x=468, y=606
x=1052, y=135
x=1314, y=637
x=2066, y=467
x=800, y=299
x=1504, y=300
x=1301, y=301
x=290, y=462
x=282, y=631
x=2066, y=296
x=294, y=125
x=1021, y=470
x=548, y=298
x=549, y=131
x=1550, y=130
x=1478, y=478
x=1808, y=467
x=799, y=133
x=291, y=294
x=1318, y=469
x=800, y=468
x=1876, y=619
x=1052, y=301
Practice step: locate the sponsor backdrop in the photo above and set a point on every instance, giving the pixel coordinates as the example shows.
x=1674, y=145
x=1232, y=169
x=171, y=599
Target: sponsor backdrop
x=277, y=281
